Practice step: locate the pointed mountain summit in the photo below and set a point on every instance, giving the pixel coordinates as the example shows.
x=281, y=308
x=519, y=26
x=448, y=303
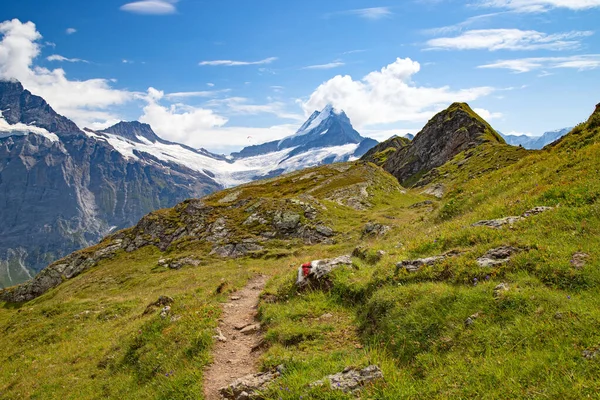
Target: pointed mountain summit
x=19, y=106
x=447, y=134
x=326, y=128
x=134, y=131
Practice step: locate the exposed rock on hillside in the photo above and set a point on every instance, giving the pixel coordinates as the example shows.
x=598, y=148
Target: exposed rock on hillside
x=379, y=154
x=62, y=189
x=447, y=134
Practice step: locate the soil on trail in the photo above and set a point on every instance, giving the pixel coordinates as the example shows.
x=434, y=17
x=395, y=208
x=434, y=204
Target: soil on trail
x=235, y=358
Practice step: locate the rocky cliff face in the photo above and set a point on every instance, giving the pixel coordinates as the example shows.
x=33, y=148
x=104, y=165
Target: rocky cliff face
x=448, y=133
x=61, y=190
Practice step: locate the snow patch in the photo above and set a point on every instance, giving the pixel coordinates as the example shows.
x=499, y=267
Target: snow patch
x=20, y=129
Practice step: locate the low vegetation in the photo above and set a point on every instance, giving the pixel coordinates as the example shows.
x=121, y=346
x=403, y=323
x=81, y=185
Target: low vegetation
x=526, y=328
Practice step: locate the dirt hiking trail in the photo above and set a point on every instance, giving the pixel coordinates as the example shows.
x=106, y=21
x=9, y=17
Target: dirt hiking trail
x=239, y=332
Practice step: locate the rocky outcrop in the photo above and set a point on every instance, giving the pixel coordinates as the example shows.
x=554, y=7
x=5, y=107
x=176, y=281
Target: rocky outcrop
x=498, y=256
x=250, y=386
x=66, y=268
x=316, y=273
x=500, y=222
x=415, y=265
x=380, y=153
x=450, y=132
x=351, y=380
x=64, y=190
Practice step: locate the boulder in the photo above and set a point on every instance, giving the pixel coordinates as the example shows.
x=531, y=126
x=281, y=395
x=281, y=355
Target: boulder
x=375, y=229
x=319, y=270
x=498, y=256
x=499, y=223
x=351, y=380
x=415, y=265
x=579, y=260
x=250, y=386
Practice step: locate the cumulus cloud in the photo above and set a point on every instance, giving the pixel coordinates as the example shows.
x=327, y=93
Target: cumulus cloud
x=71, y=31
x=388, y=95
x=536, y=6
x=201, y=127
x=85, y=101
x=151, y=7
x=579, y=62
x=59, y=58
x=231, y=63
x=509, y=39
x=487, y=115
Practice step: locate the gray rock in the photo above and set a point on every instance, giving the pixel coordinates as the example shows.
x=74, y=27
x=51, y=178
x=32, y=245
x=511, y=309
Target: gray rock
x=427, y=203
x=250, y=329
x=286, y=221
x=255, y=219
x=231, y=197
x=324, y=230
x=499, y=289
x=579, y=260
x=437, y=190
x=250, y=386
x=178, y=263
x=351, y=380
x=415, y=265
x=499, y=223
x=375, y=229
x=219, y=336
x=320, y=270
x=498, y=256
x=236, y=250
x=165, y=312
x=591, y=354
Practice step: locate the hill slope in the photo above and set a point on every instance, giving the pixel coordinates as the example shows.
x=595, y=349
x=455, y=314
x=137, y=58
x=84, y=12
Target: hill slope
x=505, y=312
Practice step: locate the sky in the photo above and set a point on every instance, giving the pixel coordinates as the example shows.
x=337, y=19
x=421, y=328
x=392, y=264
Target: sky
x=224, y=74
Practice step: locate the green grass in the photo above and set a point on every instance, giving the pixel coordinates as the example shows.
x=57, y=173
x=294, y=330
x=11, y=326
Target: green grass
x=89, y=338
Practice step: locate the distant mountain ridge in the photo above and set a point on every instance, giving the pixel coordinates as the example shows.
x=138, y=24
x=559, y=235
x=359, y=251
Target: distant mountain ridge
x=63, y=188
x=536, y=142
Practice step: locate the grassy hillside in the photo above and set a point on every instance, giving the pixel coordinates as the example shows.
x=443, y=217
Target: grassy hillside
x=445, y=331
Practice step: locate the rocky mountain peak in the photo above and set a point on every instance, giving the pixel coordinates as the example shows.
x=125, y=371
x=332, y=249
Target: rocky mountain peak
x=133, y=131
x=18, y=105
x=448, y=133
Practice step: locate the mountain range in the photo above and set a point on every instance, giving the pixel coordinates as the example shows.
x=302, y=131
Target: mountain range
x=475, y=277
x=63, y=188
x=536, y=142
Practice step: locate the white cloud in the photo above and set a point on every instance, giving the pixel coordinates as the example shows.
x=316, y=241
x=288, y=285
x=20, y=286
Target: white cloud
x=241, y=106
x=578, y=62
x=151, y=7
x=388, y=95
x=231, y=63
x=209, y=84
x=509, y=39
x=487, y=115
x=59, y=58
x=372, y=13
x=199, y=127
x=202, y=93
x=71, y=31
x=126, y=61
x=330, y=65
x=85, y=101
x=536, y=6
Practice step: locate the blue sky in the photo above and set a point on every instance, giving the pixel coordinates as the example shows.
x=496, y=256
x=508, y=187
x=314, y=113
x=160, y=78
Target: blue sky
x=228, y=73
